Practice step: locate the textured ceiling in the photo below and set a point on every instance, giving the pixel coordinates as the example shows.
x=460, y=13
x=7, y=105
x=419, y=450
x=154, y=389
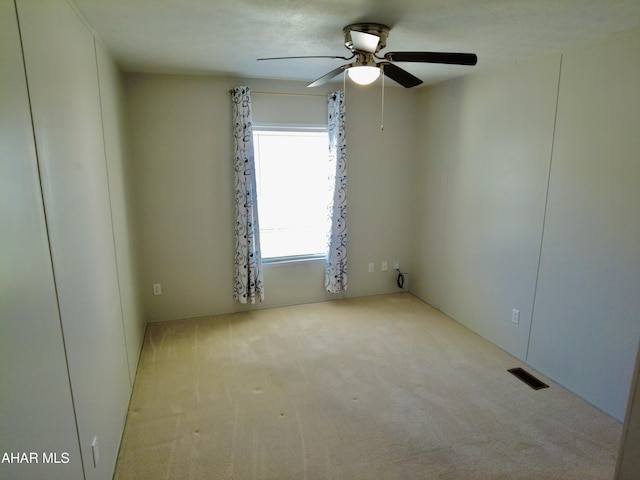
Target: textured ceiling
x=225, y=37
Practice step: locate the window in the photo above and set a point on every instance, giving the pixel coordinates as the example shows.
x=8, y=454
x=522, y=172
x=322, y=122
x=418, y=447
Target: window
x=291, y=175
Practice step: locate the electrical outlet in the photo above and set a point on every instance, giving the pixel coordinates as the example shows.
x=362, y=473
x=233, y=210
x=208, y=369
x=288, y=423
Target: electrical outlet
x=396, y=264
x=384, y=266
x=515, y=316
x=157, y=289
x=372, y=267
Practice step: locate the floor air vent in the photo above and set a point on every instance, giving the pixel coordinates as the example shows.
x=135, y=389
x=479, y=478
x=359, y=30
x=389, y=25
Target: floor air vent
x=527, y=378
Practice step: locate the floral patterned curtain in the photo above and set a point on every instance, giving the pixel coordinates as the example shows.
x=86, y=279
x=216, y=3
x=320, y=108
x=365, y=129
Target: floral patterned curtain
x=248, y=286
x=335, y=278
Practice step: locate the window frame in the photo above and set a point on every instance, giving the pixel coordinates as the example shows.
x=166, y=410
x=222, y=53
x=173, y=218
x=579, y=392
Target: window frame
x=291, y=127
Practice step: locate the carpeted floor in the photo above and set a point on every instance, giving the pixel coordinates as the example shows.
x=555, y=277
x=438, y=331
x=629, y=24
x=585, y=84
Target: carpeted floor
x=383, y=387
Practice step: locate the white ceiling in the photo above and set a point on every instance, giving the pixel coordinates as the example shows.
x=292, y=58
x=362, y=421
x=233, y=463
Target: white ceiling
x=225, y=37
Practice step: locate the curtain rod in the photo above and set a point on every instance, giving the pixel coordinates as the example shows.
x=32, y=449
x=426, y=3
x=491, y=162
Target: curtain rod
x=288, y=94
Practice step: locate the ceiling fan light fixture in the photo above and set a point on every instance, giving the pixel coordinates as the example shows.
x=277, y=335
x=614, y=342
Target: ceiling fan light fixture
x=364, y=74
x=364, y=41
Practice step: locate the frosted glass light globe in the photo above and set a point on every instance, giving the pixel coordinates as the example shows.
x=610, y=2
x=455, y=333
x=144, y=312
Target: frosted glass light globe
x=364, y=74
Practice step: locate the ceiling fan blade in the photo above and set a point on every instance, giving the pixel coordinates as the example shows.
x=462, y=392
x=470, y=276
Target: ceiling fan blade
x=325, y=78
x=433, y=57
x=308, y=56
x=365, y=42
x=400, y=75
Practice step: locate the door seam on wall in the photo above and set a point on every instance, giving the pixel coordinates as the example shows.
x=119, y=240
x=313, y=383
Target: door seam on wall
x=546, y=204
x=113, y=228
x=46, y=226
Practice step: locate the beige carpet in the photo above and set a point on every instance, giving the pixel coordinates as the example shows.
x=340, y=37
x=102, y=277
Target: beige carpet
x=382, y=387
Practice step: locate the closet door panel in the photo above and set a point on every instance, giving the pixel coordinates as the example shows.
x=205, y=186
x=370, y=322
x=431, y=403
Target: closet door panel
x=36, y=409
x=63, y=83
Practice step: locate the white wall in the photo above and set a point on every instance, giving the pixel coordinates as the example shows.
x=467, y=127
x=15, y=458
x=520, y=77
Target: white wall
x=491, y=175
x=71, y=286
x=483, y=218
x=121, y=204
x=431, y=171
x=35, y=396
x=181, y=149
x=587, y=313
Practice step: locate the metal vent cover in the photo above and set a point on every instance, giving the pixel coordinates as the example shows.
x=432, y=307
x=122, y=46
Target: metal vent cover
x=527, y=378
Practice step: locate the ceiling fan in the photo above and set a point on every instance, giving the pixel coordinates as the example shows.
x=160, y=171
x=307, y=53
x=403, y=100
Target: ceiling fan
x=365, y=40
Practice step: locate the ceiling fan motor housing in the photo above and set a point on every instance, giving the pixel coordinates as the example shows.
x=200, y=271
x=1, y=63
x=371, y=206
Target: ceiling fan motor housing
x=377, y=29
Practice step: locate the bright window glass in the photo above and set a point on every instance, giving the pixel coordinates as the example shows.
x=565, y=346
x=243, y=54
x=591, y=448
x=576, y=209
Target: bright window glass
x=291, y=172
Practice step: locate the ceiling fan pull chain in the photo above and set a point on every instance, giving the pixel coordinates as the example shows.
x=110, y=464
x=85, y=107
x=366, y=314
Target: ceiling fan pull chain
x=344, y=88
x=382, y=109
